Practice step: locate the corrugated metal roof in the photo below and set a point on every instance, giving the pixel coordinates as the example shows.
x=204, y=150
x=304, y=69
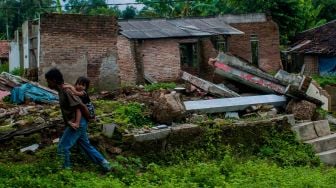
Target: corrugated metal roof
x=168, y=28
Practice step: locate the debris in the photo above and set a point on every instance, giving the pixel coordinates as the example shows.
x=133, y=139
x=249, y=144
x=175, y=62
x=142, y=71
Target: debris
x=302, y=110
x=208, y=86
x=315, y=91
x=3, y=94
x=160, y=127
x=150, y=79
x=31, y=148
x=235, y=69
x=56, y=140
x=108, y=129
x=167, y=108
x=114, y=150
x=300, y=81
x=233, y=104
x=233, y=115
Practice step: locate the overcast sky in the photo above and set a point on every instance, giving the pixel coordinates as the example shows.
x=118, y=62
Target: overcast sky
x=122, y=7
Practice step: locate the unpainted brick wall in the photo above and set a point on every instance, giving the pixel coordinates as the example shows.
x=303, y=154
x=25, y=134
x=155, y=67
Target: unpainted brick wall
x=268, y=35
x=161, y=58
x=311, y=65
x=127, y=61
x=67, y=39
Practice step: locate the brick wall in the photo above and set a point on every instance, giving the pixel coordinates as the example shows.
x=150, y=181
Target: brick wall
x=311, y=65
x=126, y=61
x=161, y=58
x=268, y=35
x=70, y=41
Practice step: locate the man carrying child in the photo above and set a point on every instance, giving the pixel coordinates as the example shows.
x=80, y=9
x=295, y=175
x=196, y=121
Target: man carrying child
x=71, y=106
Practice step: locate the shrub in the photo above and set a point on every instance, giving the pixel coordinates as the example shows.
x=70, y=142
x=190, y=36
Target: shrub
x=158, y=86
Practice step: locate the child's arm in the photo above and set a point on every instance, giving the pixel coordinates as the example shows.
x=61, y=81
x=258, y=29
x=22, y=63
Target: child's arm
x=75, y=124
x=73, y=90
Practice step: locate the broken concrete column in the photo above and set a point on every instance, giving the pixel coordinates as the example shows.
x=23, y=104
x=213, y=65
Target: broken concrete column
x=208, y=86
x=233, y=104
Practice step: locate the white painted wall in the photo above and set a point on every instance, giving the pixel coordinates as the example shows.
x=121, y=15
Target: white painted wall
x=14, y=55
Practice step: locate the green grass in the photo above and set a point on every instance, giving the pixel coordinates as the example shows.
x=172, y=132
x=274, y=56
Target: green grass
x=227, y=172
x=325, y=80
x=158, y=86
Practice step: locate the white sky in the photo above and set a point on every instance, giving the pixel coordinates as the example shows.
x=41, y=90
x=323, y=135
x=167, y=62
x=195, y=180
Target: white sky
x=122, y=7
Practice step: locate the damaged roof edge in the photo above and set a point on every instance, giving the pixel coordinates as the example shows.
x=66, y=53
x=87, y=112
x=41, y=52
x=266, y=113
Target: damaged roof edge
x=174, y=28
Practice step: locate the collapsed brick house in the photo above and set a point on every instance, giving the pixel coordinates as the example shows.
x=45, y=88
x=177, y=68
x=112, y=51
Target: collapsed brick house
x=113, y=53
x=314, y=51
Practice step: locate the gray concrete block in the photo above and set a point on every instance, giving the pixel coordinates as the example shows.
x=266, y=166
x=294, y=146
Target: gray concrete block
x=328, y=157
x=291, y=119
x=184, y=127
x=324, y=143
x=322, y=128
x=305, y=131
x=108, y=130
x=153, y=135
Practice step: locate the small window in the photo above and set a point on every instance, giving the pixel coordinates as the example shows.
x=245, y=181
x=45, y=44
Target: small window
x=189, y=57
x=255, y=49
x=221, y=43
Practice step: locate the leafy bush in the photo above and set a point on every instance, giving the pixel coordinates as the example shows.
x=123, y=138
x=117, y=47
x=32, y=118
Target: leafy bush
x=17, y=71
x=124, y=114
x=4, y=67
x=325, y=80
x=158, y=86
x=285, y=150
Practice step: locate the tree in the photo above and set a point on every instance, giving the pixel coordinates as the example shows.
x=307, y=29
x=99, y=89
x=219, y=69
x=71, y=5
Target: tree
x=129, y=12
x=84, y=6
x=14, y=12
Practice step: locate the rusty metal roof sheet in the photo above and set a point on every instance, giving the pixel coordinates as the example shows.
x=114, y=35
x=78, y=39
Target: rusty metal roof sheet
x=319, y=40
x=169, y=28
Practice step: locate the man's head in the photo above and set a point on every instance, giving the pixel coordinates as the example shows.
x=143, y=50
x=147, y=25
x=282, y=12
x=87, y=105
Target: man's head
x=54, y=78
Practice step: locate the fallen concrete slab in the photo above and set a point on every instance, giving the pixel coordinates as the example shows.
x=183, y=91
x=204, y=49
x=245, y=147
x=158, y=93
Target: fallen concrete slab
x=233, y=104
x=208, y=86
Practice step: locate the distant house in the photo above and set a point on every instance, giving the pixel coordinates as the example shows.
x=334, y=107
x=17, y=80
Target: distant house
x=314, y=51
x=115, y=52
x=4, y=51
x=162, y=47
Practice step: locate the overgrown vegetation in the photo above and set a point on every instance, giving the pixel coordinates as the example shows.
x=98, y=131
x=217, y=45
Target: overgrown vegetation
x=223, y=156
x=325, y=80
x=4, y=67
x=158, y=86
x=129, y=115
x=209, y=164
